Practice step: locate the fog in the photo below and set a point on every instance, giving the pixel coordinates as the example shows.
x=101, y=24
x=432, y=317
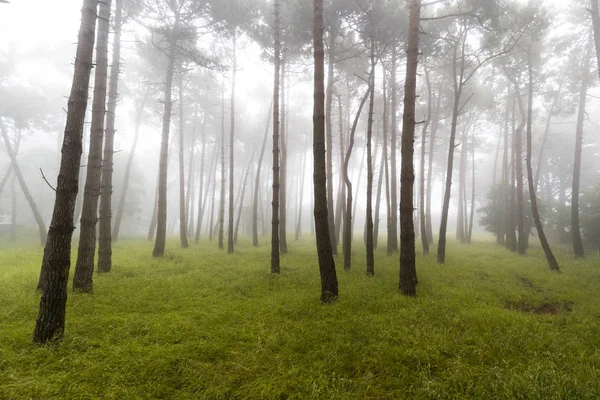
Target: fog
x=37, y=47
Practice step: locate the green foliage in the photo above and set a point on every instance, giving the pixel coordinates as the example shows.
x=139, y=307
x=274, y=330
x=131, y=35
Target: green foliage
x=493, y=210
x=202, y=324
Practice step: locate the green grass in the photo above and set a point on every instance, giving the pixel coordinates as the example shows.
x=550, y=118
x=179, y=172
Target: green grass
x=202, y=324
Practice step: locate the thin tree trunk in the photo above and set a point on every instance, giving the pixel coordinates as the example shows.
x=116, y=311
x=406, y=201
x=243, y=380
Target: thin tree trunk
x=230, y=229
x=84, y=267
x=6, y=177
x=12, y=154
x=329, y=283
x=458, y=87
x=161, y=223
x=434, y=126
x=50, y=323
x=393, y=228
x=104, y=232
x=369, y=214
x=358, y=186
x=472, y=212
x=214, y=193
x=552, y=263
x=181, y=163
x=283, y=163
x=460, y=215
x=329, y=138
x=190, y=198
x=152, y=228
x=521, y=237
x=241, y=200
x=202, y=194
x=423, y=222
x=13, y=213
x=596, y=27
x=255, y=204
x=408, y=272
x=275, y=262
x=575, y=225
x=347, y=239
x=376, y=219
x=546, y=135
x=127, y=175
x=511, y=237
x=223, y=181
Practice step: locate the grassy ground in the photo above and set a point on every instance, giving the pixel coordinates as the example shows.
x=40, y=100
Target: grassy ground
x=202, y=324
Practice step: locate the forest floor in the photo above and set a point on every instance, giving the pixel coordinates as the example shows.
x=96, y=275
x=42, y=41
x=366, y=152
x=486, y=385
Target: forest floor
x=203, y=324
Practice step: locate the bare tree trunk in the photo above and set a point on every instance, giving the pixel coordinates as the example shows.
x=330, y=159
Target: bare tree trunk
x=575, y=225
x=255, y=199
x=369, y=216
x=283, y=163
x=434, y=126
x=223, y=181
x=358, y=186
x=50, y=323
x=458, y=87
x=161, y=223
x=230, y=229
x=181, y=164
x=152, y=228
x=241, y=200
x=472, y=213
x=511, y=237
x=214, y=195
x=521, y=237
x=275, y=265
x=546, y=135
x=300, y=192
x=460, y=215
x=408, y=272
x=13, y=213
x=329, y=138
x=393, y=227
x=84, y=268
x=552, y=263
x=127, y=175
x=104, y=232
x=190, y=197
x=422, y=215
x=12, y=154
x=203, y=194
x=341, y=202
x=329, y=283
x=596, y=28
x=378, y=198
x=347, y=240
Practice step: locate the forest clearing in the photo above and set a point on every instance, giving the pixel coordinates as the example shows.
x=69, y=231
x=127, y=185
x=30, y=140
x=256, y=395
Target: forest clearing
x=195, y=324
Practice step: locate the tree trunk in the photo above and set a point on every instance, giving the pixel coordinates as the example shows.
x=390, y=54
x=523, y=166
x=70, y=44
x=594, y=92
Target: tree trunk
x=575, y=226
x=161, y=223
x=127, y=175
x=223, y=181
x=255, y=198
x=230, y=229
x=341, y=203
x=329, y=139
x=275, y=267
x=521, y=234
x=434, y=126
x=369, y=216
x=84, y=268
x=462, y=174
x=50, y=323
x=104, y=232
x=214, y=192
x=13, y=213
x=378, y=198
x=12, y=154
x=347, y=239
x=458, y=87
x=329, y=283
x=393, y=227
x=552, y=263
x=423, y=222
x=511, y=237
x=283, y=163
x=241, y=201
x=301, y=191
x=201, y=192
x=181, y=163
x=472, y=212
x=408, y=272
x=546, y=135
x=152, y=228
x=358, y=186
x=596, y=28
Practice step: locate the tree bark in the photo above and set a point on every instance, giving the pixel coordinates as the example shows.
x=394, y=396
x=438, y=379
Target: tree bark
x=84, y=267
x=422, y=215
x=596, y=28
x=575, y=225
x=50, y=323
x=275, y=262
x=255, y=204
x=301, y=191
x=161, y=223
x=221, y=232
x=283, y=162
x=521, y=234
x=408, y=272
x=552, y=263
x=230, y=229
x=181, y=163
x=241, y=201
x=347, y=239
x=104, y=232
x=369, y=215
x=393, y=227
x=329, y=138
x=341, y=202
x=329, y=283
